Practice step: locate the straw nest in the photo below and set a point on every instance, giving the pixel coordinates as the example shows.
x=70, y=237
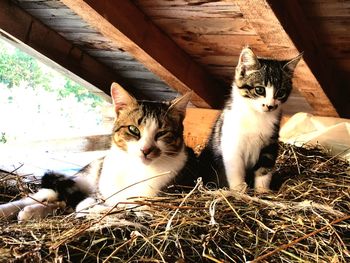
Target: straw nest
x=307, y=219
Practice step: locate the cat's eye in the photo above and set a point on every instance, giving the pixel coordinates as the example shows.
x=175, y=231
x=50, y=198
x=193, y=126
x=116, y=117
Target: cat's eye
x=281, y=93
x=160, y=134
x=260, y=90
x=134, y=130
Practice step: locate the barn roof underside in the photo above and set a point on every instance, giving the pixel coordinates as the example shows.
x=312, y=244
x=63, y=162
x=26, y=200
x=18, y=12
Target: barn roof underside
x=159, y=48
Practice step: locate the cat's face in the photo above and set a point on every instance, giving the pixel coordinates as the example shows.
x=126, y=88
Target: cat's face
x=148, y=131
x=264, y=83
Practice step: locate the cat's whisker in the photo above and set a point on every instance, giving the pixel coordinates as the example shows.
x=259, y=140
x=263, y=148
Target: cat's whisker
x=167, y=158
x=170, y=153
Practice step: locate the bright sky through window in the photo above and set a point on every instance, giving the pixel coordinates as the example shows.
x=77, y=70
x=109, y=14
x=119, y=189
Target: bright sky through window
x=38, y=103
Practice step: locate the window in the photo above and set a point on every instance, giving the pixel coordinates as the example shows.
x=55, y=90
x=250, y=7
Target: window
x=42, y=107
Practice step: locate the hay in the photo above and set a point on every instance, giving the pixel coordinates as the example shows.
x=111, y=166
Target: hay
x=307, y=219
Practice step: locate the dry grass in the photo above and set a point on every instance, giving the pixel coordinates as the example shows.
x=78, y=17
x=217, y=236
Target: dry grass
x=306, y=220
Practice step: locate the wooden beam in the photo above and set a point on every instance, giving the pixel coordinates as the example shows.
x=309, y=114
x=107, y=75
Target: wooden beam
x=299, y=29
x=197, y=126
x=268, y=26
x=28, y=30
x=129, y=29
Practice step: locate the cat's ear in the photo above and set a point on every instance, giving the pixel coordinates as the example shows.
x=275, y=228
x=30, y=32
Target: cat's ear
x=180, y=104
x=290, y=65
x=121, y=98
x=247, y=61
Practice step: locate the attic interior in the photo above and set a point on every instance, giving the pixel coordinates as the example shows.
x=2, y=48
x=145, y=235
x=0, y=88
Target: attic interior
x=158, y=48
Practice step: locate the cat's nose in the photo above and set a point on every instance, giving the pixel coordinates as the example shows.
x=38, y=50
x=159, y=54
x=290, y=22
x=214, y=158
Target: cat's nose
x=270, y=107
x=146, y=150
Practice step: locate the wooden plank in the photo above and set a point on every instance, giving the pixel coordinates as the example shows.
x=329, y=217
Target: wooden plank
x=51, y=13
x=190, y=13
x=149, y=45
x=299, y=30
x=33, y=33
x=326, y=8
x=181, y=3
x=219, y=45
x=334, y=36
x=86, y=38
x=110, y=53
x=125, y=65
x=59, y=22
x=340, y=51
x=226, y=74
x=208, y=26
x=342, y=64
x=331, y=26
x=214, y=59
x=272, y=33
x=40, y=4
x=188, y=9
x=207, y=38
x=198, y=123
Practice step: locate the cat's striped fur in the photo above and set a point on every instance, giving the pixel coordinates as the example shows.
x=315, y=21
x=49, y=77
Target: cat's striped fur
x=147, y=155
x=244, y=139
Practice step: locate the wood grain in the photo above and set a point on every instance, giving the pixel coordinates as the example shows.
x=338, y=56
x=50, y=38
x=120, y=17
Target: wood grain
x=205, y=26
x=141, y=38
x=281, y=46
x=50, y=44
x=297, y=26
x=211, y=35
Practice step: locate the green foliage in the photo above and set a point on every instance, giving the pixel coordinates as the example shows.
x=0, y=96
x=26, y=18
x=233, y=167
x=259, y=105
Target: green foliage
x=16, y=67
x=79, y=92
x=3, y=138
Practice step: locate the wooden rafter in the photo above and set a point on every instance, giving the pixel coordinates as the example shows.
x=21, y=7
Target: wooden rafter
x=299, y=30
x=32, y=32
x=149, y=45
x=268, y=26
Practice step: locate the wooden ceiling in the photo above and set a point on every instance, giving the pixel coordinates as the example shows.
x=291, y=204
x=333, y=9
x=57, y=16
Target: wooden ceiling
x=157, y=48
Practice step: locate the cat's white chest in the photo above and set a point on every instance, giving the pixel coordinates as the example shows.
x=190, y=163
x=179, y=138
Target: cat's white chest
x=123, y=178
x=244, y=133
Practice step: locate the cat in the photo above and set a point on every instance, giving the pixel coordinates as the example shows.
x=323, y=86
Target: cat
x=243, y=144
x=147, y=155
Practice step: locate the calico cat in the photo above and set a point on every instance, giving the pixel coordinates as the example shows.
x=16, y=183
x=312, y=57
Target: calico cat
x=147, y=155
x=244, y=140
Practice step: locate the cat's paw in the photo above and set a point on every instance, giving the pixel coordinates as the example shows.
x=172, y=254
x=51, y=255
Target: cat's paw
x=38, y=211
x=86, y=207
x=30, y=212
x=242, y=188
x=262, y=190
x=143, y=214
x=9, y=210
x=94, y=212
x=44, y=194
x=262, y=180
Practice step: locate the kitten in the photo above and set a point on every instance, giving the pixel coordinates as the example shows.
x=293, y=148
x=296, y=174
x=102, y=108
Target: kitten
x=147, y=155
x=244, y=139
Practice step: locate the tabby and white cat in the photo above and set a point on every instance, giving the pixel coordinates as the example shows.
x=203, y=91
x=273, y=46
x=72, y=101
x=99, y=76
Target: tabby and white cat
x=147, y=154
x=244, y=139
